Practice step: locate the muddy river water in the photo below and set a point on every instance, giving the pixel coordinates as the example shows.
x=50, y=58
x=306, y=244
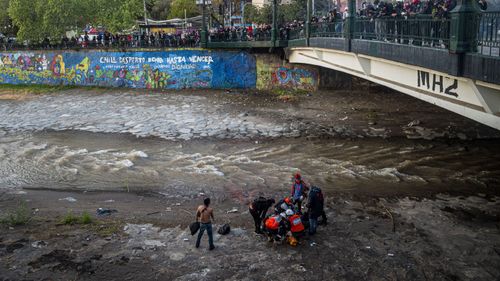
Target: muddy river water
x=185, y=144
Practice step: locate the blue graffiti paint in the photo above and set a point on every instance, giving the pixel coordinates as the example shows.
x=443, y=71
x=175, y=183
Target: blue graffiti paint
x=152, y=70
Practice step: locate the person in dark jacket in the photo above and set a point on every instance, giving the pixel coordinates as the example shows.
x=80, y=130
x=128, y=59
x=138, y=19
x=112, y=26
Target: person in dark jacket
x=316, y=208
x=258, y=209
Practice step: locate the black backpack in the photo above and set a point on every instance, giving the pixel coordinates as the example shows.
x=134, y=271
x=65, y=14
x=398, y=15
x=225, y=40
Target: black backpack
x=224, y=229
x=316, y=195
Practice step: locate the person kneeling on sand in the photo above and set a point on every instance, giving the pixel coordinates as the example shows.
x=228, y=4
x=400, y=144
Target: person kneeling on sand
x=276, y=226
x=258, y=209
x=204, y=214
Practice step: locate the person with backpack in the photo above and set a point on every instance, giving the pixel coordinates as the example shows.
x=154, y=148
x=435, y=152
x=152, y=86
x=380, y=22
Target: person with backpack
x=299, y=191
x=205, y=215
x=258, y=209
x=315, y=208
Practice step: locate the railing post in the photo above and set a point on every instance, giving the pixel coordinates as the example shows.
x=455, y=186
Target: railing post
x=349, y=24
x=464, y=27
x=204, y=32
x=308, y=22
x=274, y=29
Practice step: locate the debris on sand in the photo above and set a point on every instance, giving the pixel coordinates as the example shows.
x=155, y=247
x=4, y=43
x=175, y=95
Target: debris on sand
x=105, y=211
x=233, y=210
x=69, y=199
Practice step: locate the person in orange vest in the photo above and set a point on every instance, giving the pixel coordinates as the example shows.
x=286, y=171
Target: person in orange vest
x=276, y=227
x=296, y=226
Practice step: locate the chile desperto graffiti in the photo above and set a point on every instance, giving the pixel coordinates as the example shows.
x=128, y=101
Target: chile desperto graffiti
x=150, y=70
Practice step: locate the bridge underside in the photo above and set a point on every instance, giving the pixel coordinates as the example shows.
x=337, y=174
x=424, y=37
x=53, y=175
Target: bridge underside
x=474, y=99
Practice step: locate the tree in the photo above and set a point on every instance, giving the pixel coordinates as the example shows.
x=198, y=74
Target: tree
x=27, y=16
x=265, y=14
x=251, y=13
x=6, y=25
x=178, y=7
x=159, y=9
x=119, y=15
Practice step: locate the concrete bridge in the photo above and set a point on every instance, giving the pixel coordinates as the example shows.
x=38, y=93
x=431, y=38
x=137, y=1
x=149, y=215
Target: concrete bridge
x=452, y=63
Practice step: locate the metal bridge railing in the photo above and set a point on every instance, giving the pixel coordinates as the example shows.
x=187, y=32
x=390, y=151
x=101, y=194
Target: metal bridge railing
x=327, y=29
x=488, y=37
x=240, y=35
x=296, y=33
x=418, y=31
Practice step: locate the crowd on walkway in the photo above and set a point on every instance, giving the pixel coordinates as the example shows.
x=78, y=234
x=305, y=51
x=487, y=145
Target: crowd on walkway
x=108, y=40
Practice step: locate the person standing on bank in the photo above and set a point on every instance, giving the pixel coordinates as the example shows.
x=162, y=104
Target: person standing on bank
x=205, y=215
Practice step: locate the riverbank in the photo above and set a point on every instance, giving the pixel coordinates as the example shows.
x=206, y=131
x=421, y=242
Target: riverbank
x=439, y=238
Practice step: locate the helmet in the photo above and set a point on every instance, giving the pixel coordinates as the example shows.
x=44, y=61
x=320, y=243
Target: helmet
x=289, y=212
x=288, y=201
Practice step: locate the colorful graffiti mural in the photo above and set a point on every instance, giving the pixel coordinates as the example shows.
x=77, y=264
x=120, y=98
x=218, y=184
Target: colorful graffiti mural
x=151, y=70
x=295, y=78
x=275, y=73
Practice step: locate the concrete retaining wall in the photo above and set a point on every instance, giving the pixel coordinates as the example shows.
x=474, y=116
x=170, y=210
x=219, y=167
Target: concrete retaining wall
x=152, y=70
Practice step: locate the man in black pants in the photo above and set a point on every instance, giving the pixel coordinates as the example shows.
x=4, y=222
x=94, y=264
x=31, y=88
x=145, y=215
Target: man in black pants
x=258, y=209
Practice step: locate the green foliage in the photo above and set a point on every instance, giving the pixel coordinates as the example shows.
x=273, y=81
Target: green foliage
x=159, y=9
x=118, y=15
x=286, y=12
x=40, y=19
x=178, y=7
x=86, y=218
x=265, y=14
x=108, y=229
x=20, y=216
x=69, y=218
x=72, y=219
x=251, y=13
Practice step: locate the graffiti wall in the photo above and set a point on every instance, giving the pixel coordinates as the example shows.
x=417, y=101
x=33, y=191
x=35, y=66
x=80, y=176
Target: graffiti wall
x=274, y=73
x=152, y=70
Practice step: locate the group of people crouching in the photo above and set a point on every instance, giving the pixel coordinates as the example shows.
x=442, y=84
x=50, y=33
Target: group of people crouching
x=287, y=222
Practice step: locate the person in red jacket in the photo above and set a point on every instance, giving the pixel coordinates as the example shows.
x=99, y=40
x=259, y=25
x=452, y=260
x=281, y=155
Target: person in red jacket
x=299, y=191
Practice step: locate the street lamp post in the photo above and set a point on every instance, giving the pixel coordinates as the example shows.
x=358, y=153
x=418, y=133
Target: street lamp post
x=243, y=13
x=274, y=28
x=145, y=16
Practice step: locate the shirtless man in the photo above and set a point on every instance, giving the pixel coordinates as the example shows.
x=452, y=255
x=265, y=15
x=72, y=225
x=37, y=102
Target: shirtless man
x=204, y=215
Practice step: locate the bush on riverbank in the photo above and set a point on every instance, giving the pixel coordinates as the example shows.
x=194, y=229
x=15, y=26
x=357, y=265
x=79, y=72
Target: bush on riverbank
x=20, y=216
x=85, y=218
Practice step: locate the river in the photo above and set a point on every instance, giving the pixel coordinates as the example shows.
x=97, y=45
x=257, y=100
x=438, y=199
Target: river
x=181, y=145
